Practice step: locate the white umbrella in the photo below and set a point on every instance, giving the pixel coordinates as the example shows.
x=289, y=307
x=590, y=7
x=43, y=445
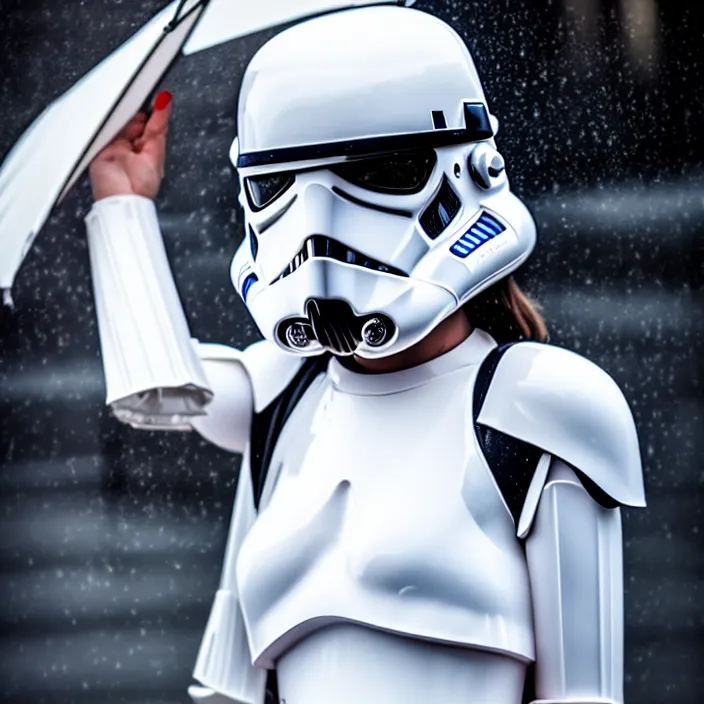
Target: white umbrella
x=58, y=146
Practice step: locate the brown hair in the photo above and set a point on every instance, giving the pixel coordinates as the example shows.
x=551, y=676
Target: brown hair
x=506, y=313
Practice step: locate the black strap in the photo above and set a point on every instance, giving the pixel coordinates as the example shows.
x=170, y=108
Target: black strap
x=271, y=693
x=268, y=424
x=511, y=461
x=485, y=375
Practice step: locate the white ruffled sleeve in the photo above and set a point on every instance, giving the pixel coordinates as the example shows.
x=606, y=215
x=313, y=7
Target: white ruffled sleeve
x=153, y=374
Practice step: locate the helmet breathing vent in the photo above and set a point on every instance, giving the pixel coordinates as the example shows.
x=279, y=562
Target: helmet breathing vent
x=440, y=213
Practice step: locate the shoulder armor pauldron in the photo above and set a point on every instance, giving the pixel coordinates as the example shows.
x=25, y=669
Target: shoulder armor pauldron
x=565, y=405
x=269, y=368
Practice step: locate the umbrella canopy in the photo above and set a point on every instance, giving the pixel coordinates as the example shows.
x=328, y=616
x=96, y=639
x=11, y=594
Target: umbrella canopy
x=59, y=145
x=55, y=150
x=222, y=22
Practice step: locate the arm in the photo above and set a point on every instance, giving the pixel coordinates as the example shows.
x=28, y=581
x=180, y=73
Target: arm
x=576, y=415
x=156, y=375
x=574, y=557
x=153, y=374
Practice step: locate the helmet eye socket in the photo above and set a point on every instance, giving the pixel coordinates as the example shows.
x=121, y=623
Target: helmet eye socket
x=399, y=173
x=263, y=190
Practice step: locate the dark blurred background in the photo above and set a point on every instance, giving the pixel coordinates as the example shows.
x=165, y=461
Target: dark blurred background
x=112, y=538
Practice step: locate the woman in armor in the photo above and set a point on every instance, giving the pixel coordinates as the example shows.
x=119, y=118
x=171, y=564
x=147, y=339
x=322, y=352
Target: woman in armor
x=429, y=497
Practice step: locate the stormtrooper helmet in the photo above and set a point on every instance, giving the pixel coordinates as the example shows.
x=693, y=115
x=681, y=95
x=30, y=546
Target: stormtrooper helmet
x=375, y=200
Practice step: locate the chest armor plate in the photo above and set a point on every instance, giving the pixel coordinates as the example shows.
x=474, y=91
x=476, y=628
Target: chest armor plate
x=384, y=513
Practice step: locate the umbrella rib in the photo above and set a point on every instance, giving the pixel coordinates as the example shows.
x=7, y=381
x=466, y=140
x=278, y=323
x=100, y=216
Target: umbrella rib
x=177, y=20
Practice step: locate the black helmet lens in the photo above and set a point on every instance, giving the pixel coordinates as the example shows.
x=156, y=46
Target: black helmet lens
x=399, y=173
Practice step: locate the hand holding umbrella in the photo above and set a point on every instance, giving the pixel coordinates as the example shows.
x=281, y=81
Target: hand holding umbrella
x=133, y=163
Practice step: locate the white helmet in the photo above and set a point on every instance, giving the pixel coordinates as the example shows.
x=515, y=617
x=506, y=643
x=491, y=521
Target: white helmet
x=376, y=203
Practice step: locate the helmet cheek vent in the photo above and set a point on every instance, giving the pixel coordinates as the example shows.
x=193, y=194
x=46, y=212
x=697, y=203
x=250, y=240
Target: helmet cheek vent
x=441, y=211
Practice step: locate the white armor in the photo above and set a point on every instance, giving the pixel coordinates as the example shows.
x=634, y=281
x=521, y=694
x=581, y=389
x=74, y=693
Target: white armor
x=383, y=560
x=577, y=633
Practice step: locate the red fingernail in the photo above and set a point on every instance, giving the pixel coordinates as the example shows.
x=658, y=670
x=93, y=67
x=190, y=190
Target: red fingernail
x=162, y=100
